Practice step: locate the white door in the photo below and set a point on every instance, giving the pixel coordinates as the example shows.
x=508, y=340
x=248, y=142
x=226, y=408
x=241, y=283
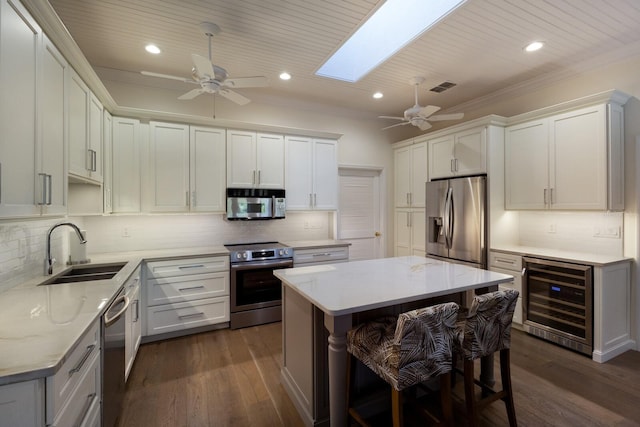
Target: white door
x=207, y=169
x=360, y=213
x=169, y=167
x=270, y=161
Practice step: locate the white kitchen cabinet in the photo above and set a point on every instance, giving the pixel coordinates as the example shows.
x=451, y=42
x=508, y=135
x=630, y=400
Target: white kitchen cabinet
x=183, y=294
x=458, y=154
x=107, y=161
x=311, y=173
x=410, y=171
x=22, y=404
x=207, y=169
x=20, y=41
x=569, y=161
x=255, y=160
x=125, y=165
x=511, y=264
x=133, y=331
x=168, y=185
x=85, y=132
x=410, y=232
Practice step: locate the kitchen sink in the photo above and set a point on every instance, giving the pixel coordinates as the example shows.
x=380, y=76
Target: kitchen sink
x=86, y=274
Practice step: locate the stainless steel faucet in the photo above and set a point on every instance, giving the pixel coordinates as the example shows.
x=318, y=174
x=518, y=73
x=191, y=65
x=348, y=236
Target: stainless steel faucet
x=48, y=263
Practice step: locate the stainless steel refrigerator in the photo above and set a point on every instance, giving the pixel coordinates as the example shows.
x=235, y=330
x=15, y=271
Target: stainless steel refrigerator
x=457, y=220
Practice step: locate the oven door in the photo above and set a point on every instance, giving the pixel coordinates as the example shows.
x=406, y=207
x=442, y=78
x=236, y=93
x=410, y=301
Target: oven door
x=254, y=286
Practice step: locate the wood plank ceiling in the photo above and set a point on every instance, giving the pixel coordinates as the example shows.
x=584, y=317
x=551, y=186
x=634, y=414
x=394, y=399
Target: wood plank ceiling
x=479, y=46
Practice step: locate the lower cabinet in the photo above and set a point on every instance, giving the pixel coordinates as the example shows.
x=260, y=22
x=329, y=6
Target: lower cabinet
x=322, y=255
x=184, y=294
x=133, y=331
x=410, y=232
x=22, y=404
x=510, y=264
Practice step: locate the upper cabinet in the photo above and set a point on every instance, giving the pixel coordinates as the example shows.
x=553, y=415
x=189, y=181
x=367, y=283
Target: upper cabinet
x=458, y=154
x=186, y=168
x=410, y=165
x=568, y=161
x=85, y=132
x=311, y=173
x=255, y=160
x=107, y=158
x=125, y=165
x=33, y=77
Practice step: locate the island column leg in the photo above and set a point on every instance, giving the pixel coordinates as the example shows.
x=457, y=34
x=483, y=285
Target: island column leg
x=337, y=355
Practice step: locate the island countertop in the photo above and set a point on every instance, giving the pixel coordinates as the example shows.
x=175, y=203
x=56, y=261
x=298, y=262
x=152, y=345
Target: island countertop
x=346, y=288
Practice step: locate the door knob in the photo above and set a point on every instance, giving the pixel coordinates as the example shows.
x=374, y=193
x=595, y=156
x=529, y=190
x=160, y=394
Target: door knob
x=377, y=234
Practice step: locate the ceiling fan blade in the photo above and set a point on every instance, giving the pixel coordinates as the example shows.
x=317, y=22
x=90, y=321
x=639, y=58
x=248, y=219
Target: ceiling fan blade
x=234, y=96
x=397, y=124
x=191, y=94
x=391, y=117
x=440, y=117
x=241, y=82
x=424, y=125
x=166, y=76
x=204, y=67
x=428, y=110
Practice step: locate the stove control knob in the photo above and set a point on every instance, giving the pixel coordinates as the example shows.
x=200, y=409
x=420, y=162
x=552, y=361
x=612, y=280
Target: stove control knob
x=244, y=255
x=238, y=256
x=281, y=252
x=286, y=251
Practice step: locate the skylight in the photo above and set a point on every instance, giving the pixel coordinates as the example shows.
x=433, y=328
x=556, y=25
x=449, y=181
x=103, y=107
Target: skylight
x=389, y=29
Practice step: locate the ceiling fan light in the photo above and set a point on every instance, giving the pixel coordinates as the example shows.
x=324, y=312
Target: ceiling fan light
x=152, y=48
x=533, y=46
x=285, y=76
x=378, y=95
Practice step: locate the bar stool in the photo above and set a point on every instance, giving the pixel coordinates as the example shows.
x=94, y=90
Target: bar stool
x=405, y=351
x=484, y=330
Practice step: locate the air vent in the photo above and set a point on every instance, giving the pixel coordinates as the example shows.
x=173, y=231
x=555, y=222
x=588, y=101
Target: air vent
x=442, y=87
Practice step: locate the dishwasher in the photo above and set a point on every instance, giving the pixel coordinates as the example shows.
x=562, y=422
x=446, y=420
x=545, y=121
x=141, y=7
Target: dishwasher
x=113, y=359
x=558, y=302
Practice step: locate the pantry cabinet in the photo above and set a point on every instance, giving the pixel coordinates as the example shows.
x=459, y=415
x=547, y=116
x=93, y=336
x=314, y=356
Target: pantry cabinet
x=410, y=232
x=255, y=160
x=458, y=154
x=125, y=165
x=311, y=173
x=568, y=161
x=410, y=165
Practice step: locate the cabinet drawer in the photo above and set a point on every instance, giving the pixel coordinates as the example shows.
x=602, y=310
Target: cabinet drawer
x=324, y=255
x=62, y=384
x=506, y=261
x=186, y=315
x=187, y=288
x=183, y=267
x=82, y=402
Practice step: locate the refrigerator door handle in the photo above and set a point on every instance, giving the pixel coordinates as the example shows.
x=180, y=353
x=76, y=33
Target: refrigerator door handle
x=448, y=218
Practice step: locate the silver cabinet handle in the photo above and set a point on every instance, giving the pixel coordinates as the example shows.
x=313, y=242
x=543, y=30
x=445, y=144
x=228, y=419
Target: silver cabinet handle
x=49, y=188
x=258, y=177
x=323, y=254
x=82, y=361
x=137, y=310
x=315, y=200
x=408, y=223
x=186, y=316
x=193, y=198
x=254, y=177
x=505, y=261
x=455, y=163
x=545, y=196
x=451, y=166
x=185, y=267
x=551, y=201
x=407, y=198
x=85, y=410
x=310, y=199
x=191, y=288
x=43, y=201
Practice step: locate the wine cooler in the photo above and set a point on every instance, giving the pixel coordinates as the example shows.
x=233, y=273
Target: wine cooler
x=558, y=302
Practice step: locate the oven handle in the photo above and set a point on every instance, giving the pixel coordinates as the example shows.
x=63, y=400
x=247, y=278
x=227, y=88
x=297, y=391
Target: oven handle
x=253, y=264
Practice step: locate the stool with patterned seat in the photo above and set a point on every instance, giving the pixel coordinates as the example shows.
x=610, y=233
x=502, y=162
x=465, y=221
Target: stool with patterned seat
x=404, y=351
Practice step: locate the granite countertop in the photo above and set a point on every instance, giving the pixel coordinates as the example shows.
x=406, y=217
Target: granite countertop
x=314, y=244
x=40, y=325
x=562, y=255
x=339, y=289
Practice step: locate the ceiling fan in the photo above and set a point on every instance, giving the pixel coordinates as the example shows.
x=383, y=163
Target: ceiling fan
x=212, y=78
x=421, y=116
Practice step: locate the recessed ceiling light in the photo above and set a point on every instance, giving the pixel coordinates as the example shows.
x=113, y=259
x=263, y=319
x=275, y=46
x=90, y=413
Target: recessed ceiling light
x=390, y=28
x=378, y=95
x=285, y=76
x=152, y=48
x=532, y=47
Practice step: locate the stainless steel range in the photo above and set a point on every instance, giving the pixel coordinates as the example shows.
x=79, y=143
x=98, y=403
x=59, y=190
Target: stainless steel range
x=256, y=294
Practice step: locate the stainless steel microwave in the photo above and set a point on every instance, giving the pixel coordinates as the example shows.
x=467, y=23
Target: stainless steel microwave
x=255, y=203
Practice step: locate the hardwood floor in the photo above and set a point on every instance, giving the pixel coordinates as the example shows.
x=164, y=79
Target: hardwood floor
x=231, y=378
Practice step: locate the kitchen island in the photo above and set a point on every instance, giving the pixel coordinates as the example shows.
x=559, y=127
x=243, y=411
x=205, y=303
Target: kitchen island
x=322, y=298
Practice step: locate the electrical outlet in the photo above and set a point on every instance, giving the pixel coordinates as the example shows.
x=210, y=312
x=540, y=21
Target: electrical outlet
x=607, y=232
x=125, y=232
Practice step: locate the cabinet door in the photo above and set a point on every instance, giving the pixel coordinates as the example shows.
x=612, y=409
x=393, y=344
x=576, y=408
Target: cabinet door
x=19, y=48
x=418, y=232
x=168, y=167
x=241, y=159
x=126, y=165
x=526, y=165
x=52, y=182
x=270, y=161
x=402, y=173
x=469, y=152
x=78, y=130
x=325, y=174
x=298, y=176
x=207, y=169
x=441, y=157
x=95, y=138
x=578, y=160
x=419, y=175
x=133, y=331
x=107, y=158
x=402, y=232
x=22, y=404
